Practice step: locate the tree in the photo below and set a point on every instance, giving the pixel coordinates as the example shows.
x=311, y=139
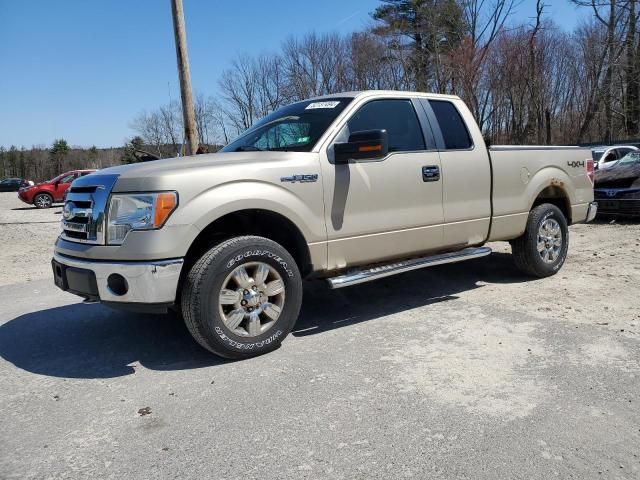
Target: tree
x=432, y=27
x=632, y=73
x=12, y=161
x=93, y=156
x=58, y=153
x=130, y=149
x=2, y=162
x=162, y=129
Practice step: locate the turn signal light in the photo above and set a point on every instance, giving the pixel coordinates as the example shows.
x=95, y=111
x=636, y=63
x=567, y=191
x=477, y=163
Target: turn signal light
x=370, y=148
x=165, y=204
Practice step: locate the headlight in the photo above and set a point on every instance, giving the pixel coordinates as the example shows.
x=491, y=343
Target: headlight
x=138, y=211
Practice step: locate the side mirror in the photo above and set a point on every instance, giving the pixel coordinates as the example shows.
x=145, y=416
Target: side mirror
x=362, y=145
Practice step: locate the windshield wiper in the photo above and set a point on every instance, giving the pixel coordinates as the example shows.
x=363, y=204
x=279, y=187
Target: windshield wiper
x=248, y=148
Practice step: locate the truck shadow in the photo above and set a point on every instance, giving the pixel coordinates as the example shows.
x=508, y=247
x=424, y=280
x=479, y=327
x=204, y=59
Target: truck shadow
x=93, y=341
x=325, y=309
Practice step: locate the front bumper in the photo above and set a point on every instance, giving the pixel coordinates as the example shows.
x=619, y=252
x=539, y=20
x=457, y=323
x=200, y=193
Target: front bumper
x=592, y=211
x=150, y=282
x=24, y=197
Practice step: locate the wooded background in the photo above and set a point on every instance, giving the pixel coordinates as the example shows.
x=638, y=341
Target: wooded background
x=526, y=83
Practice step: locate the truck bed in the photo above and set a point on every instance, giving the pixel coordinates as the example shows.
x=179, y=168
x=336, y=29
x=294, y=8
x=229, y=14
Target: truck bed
x=522, y=172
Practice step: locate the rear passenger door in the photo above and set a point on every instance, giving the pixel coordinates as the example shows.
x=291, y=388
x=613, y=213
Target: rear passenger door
x=466, y=172
x=383, y=208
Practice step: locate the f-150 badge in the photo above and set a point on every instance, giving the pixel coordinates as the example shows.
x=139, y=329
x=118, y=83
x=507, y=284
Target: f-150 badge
x=304, y=178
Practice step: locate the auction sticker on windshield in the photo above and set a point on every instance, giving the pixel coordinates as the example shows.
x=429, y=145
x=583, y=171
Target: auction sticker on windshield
x=313, y=105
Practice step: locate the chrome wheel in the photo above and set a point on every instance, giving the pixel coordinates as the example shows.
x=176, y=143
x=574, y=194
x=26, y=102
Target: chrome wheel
x=549, y=240
x=251, y=299
x=43, y=201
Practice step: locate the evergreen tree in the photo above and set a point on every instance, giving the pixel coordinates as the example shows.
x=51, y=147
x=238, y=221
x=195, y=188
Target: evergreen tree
x=128, y=156
x=58, y=152
x=433, y=28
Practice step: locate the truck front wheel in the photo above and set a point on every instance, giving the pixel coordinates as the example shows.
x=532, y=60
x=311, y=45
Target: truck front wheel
x=242, y=297
x=542, y=249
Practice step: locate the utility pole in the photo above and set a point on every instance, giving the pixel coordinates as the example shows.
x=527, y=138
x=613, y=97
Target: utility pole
x=188, y=112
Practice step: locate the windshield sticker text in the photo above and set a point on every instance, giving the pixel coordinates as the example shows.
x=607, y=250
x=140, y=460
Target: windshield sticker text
x=314, y=105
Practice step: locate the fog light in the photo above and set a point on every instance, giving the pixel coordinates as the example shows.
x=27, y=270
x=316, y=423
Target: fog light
x=117, y=284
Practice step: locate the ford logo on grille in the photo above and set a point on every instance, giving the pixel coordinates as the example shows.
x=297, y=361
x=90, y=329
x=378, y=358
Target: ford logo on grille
x=67, y=211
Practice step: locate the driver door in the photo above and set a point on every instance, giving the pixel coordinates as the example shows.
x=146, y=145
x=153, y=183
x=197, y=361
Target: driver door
x=63, y=185
x=384, y=208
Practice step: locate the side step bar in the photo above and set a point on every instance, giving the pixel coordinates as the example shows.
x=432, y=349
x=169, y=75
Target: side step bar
x=373, y=273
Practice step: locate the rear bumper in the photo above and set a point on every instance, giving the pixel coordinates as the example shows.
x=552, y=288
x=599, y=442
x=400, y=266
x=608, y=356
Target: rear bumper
x=592, y=211
x=125, y=283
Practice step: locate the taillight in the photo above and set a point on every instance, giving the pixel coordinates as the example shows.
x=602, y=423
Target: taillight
x=590, y=170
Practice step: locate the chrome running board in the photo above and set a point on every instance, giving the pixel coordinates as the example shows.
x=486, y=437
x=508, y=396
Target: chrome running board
x=373, y=273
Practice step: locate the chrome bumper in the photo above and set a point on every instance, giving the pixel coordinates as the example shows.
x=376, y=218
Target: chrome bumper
x=592, y=211
x=152, y=282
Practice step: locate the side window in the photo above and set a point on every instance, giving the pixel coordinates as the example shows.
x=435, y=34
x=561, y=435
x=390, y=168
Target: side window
x=623, y=151
x=455, y=133
x=397, y=117
x=611, y=156
x=68, y=178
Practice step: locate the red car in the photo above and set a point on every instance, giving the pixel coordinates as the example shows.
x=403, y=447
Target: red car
x=45, y=194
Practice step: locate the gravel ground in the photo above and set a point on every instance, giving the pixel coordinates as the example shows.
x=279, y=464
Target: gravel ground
x=466, y=371
x=27, y=235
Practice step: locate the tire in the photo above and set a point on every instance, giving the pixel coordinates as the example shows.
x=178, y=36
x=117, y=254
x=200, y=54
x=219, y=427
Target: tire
x=547, y=230
x=43, y=200
x=220, y=303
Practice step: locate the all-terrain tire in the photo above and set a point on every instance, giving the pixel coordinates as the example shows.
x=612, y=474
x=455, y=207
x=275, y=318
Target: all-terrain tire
x=526, y=248
x=214, y=274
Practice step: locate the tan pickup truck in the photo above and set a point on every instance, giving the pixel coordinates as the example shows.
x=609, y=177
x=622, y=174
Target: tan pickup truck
x=350, y=187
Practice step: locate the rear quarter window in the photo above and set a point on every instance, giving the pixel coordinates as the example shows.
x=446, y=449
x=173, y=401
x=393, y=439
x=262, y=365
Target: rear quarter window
x=454, y=131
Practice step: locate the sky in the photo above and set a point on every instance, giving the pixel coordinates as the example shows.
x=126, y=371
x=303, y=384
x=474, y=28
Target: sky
x=83, y=69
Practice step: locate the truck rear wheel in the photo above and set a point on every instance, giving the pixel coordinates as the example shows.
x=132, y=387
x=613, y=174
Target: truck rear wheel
x=542, y=249
x=242, y=297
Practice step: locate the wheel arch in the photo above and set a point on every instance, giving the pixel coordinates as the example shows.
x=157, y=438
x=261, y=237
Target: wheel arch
x=555, y=194
x=253, y=221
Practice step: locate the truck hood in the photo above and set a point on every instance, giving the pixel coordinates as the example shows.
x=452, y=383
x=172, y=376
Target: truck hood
x=169, y=174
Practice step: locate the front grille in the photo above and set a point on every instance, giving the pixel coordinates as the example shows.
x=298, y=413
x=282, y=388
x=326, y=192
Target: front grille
x=84, y=209
x=619, y=207
x=89, y=189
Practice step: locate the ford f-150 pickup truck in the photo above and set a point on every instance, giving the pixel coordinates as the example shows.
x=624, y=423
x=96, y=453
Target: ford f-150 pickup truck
x=349, y=188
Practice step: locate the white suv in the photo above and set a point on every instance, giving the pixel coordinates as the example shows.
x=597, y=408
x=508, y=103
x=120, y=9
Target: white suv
x=606, y=157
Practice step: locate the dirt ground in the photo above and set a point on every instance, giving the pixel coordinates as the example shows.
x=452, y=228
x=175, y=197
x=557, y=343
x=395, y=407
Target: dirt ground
x=468, y=370
x=27, y=235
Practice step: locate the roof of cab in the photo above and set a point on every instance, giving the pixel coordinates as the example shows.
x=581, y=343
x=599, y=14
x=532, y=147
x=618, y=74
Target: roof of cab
x=393, y=93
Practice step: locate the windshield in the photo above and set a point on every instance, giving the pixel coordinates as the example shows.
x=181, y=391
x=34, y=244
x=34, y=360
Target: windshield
x=632, y=157
x=54, y=179
x=296, y=127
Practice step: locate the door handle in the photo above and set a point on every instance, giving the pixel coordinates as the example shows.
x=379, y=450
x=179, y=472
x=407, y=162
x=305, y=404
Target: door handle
x=430, y=173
